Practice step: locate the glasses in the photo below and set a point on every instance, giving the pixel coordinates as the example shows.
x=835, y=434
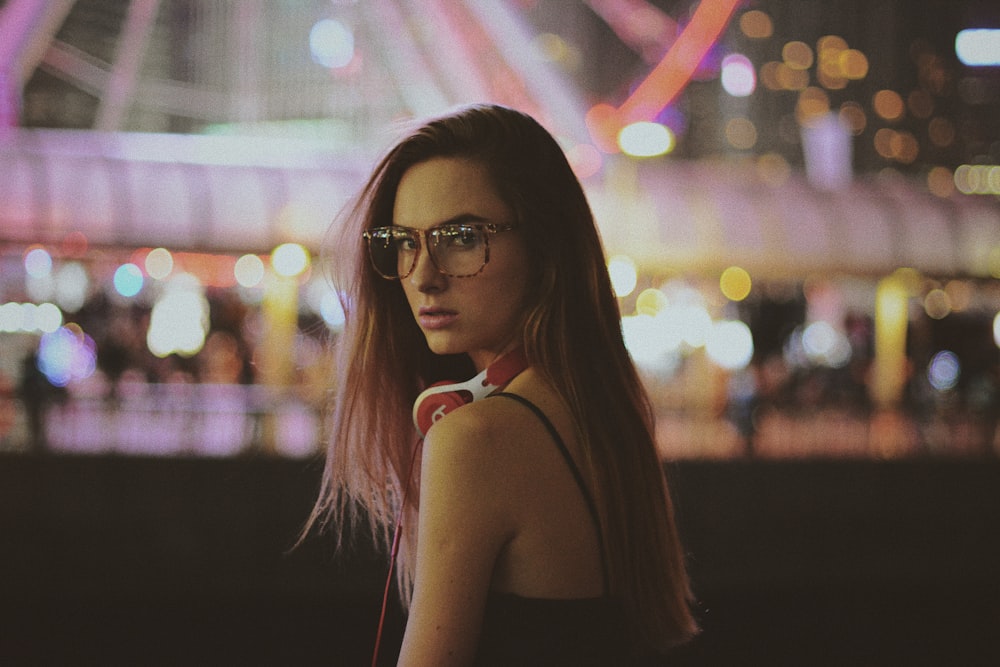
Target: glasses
x=457, y=250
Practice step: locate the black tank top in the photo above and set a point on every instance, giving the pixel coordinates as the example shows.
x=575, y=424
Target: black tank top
x=540, y=631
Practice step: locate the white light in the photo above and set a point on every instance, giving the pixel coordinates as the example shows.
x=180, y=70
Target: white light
x=331, y=44
x=647, y=344
x=332, y=311
x=179, y=320
x=623, y=274
x=37, y=263
x=72, y=285
x=645, y=139
x=996, y=329
x=738, y=76
x=944, y=370
x=249, y=270
x=289, y=259
x=11, y=317
x=825, y=345
x=978, y=48
x=48, y=317
x=730, y=345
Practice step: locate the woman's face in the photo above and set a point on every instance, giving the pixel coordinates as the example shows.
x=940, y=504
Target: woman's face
x=479, y=315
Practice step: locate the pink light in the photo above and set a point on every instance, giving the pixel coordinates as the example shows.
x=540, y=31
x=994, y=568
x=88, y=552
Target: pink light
x=667, y=79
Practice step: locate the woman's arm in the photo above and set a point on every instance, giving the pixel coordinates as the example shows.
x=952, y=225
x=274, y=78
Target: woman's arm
x=463, y=525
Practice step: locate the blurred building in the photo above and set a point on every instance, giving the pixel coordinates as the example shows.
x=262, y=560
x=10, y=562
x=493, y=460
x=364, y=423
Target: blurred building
x=803, y=220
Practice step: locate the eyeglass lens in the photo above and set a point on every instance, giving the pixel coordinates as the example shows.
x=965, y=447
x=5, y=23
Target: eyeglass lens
x=456, y=250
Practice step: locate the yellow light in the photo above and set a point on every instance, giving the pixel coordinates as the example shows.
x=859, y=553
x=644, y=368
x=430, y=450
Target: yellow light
x=888, y=104
x=755, y=24
x=813, y=103
x=889, y=368
x=735, y=283
x=289, y=259
x=937, y=304
x=651, y=302
x=741, y=133
x=797, y=55
x=852, y=115
x=940, y=182
x=853, y=64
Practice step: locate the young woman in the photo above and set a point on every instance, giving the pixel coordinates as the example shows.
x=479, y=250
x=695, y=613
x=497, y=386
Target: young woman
x=537, y=526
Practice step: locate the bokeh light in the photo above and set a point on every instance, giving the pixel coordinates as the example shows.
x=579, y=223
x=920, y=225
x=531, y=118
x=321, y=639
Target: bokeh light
x=937, y=304
x=741, y=133
x=159, y=263
x=623, y=274
x=290, y=259
x=249, y=270
x=944, y=370
x=646, y=139
x=755, y=24
x=38, y=262
x=179, y=321
x=730, y=345
x=128, y=280
x=66, y=354
x=888, y=104
x=978, y=47
x=738, y=76
x=735, y=283
x=331, y=44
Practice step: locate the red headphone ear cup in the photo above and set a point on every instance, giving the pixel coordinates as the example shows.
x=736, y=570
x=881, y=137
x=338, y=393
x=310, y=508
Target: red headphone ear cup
x=437, y=405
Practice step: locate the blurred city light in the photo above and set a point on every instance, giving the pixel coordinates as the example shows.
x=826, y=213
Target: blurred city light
x=647, y=343
x=826, y=346
x=249, y=270
x=646, y=139
x=72, y=284
x=735, y=283
x=979, y=47
x=730, y=345
x=623, y=274
x=331, y=44
x=159, y=263
x=944, y=370
x=738, y=76
x=128, y=280
x=66, y=354
x=179, y=319
x=289, y=259
x=38, y=262
x=978, y=179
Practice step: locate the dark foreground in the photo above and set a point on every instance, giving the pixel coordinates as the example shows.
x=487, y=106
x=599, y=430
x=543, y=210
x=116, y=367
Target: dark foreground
x=130, y=561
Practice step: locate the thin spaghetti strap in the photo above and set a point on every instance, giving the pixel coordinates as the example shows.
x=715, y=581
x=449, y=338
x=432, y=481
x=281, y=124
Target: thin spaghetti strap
x=577, y=475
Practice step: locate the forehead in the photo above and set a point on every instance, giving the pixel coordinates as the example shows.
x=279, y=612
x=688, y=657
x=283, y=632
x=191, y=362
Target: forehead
x=445, y=189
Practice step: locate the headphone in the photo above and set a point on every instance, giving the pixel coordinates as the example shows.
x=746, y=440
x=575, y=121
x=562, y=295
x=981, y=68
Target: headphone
x=442, y=397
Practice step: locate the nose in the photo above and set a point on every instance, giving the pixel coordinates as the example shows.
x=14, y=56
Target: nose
x=425, y=276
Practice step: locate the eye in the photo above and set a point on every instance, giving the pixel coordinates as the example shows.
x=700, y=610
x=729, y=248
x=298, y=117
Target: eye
x=404, y=241
x=459, y=236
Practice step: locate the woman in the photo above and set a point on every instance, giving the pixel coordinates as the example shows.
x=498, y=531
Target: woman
x=537, y=527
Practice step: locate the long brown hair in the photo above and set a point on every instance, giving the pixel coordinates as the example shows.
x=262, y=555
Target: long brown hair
x=573, y=338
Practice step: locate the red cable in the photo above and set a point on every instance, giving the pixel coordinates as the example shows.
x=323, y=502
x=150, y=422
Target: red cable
x=392, y=555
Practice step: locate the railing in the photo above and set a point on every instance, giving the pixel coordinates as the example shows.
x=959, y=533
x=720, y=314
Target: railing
x=219, y=420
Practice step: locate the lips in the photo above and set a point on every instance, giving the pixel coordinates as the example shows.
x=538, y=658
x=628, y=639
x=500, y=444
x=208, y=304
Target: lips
x=433, y=318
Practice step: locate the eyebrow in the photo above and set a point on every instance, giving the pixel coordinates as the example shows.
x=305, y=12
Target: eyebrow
x=461, y=218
